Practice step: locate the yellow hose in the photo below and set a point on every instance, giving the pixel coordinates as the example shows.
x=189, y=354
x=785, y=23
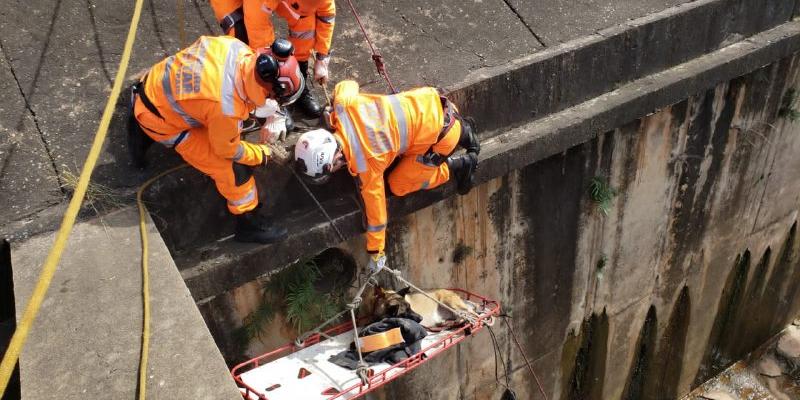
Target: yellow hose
x=146, y=282
x=51, y=263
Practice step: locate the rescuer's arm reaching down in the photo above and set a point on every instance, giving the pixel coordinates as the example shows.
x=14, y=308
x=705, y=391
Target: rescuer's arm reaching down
x=224, y=135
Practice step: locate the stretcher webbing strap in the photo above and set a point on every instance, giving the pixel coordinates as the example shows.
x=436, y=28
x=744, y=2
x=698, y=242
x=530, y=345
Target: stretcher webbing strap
x=376, y=56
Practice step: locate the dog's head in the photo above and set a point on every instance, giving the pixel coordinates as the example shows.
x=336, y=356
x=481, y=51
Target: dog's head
x=389, y=303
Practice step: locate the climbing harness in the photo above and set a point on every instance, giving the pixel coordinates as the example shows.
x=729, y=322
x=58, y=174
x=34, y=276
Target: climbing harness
x=376, y=56
x=301, y=369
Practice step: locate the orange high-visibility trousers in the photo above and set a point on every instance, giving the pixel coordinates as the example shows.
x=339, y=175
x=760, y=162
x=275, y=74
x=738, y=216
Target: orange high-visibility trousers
x=302, y=34
x=412, y=173
x=310, y=24
x=241, y=194
x=258, y=21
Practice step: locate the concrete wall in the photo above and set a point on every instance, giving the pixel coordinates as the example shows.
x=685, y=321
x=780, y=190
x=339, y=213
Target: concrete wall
x=695, y=264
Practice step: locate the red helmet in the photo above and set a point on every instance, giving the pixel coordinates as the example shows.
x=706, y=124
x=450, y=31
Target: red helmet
x=277, y=69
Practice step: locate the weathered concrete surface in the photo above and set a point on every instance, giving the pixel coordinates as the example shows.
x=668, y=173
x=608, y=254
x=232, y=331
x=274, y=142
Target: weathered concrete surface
x=687, y=273
x=85, y=342
x=223, y=265
x=546, y=17
x=27, y=177
x=422, y=43
x=763, y=374
x=449, y=44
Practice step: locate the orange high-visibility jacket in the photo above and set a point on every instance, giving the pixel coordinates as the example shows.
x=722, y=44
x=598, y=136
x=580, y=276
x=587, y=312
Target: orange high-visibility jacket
x=294, y=11
x=374, y=130
x=202, y=86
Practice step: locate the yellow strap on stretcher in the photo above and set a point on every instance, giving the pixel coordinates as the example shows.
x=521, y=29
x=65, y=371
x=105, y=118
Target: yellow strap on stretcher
x=380, y=341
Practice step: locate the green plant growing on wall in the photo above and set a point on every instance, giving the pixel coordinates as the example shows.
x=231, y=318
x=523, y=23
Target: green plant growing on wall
x=602, y=261
x=601, y=193
x=789, y=105
x=292, y=292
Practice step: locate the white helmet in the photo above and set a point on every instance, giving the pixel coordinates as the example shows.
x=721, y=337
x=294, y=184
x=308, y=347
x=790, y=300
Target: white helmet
x=314, y=154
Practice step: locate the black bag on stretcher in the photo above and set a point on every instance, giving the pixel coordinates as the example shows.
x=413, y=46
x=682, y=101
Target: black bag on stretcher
x=398, y=346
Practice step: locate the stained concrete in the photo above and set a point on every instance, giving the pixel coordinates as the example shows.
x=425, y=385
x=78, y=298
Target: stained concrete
x=443, y=44
x=85, y=342
x=546, y=18
x=762, y=374
x=676, y=298
x=223, y=265
x=28, y=180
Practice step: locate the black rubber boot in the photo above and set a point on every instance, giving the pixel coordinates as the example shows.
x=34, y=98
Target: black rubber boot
x=138, y=143
x=462, y=168
x=469, y=138
x=251, y=227
x=307, y=104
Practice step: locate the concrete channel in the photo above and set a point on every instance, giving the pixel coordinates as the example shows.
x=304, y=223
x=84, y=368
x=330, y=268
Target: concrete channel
x=681, y=114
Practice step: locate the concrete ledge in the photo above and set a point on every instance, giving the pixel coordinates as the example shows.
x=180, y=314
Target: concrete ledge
x=85, y=343
x=560, y=77
x=226, y=265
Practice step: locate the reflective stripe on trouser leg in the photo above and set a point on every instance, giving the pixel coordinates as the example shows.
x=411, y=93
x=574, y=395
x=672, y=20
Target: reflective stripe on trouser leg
x=411, y=175
x=196, y=150
x=302, y=34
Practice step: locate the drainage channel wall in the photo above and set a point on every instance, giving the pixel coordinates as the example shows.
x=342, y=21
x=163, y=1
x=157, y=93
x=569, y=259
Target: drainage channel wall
x=694, y=265
x=689, y=266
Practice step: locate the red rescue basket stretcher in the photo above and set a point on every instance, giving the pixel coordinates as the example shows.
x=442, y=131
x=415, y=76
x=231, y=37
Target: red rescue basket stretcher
x=304, y=372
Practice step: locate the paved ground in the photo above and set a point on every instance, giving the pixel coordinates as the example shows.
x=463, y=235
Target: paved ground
x=58, y=59
x=72, y=356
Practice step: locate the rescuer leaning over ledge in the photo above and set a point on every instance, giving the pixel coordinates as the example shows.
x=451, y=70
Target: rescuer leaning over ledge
x=195, y=102
x=419, y=129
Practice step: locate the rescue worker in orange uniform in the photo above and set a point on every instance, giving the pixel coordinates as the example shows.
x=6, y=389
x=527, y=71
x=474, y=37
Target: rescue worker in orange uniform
x=418, y=131
x=195, y=102
x=230, y=16
x=311, y=25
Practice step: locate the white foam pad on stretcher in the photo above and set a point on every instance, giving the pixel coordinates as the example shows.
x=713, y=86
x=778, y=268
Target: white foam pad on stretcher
x=324, y=374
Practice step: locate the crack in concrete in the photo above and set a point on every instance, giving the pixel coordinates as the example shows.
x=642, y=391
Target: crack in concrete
x=425, y=33
x=521, y=19
x=90, y=8
x=209, y=29
x=157, y=28
x=29, y=107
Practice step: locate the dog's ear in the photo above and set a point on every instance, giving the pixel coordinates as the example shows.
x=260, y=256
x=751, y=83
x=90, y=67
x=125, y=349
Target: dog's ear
x=404, y=291
x=377, y=291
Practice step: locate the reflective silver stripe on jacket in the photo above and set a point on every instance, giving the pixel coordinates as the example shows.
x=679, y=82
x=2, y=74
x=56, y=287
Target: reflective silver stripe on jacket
x=328, y=19
x=301, y=34
x=239, y=153
x=244, y=200
x=402, y=125
x=229, y=78
x=375, y=125
x=165, y=85
x=352, y=139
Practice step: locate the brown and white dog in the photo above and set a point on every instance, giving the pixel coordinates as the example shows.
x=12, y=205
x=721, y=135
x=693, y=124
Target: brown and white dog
x=389, y=303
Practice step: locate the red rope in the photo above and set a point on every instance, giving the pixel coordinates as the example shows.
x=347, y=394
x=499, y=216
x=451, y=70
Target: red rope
x=376, y=56
x=528, y=363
